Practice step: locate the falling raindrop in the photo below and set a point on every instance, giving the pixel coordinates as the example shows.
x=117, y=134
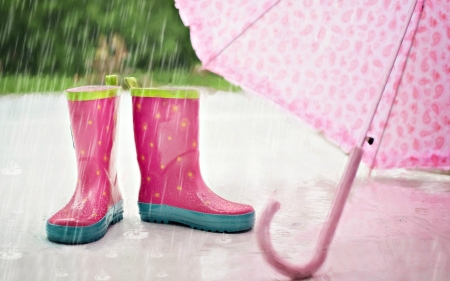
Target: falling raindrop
x=12, y=169
x=225, y=239
x=307, y=183
x=61, y=273
x=136, y=233
x=162, y=274
x=285, y=234
x=111, y=254
x=102, y=276
x=17, y=211
x=157, y=253
x=10, y=253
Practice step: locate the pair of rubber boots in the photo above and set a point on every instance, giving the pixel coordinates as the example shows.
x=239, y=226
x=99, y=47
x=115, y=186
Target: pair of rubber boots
x=172, y=188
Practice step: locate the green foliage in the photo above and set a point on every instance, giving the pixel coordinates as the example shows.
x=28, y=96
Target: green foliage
x=17, y=84
x=53, y=36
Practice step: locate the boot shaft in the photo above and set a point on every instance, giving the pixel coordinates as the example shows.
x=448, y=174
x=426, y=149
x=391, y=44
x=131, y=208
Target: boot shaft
x=166, y=124
x=165, y=130
x=93, y=125
x=93, y=115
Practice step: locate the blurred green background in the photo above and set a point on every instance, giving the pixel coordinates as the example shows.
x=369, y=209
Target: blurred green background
x=50, y=45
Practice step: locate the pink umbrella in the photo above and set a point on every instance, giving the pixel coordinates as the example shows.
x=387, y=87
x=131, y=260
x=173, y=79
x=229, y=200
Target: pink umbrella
x=352, y=69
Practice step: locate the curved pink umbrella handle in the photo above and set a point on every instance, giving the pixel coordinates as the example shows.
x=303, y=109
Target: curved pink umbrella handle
x=326, y=235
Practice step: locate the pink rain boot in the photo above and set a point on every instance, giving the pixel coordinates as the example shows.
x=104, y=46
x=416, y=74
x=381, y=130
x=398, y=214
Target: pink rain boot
x=172, y=188
x=97, y=201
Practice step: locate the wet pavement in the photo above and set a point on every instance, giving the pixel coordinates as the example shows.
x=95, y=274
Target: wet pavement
x=395, y=226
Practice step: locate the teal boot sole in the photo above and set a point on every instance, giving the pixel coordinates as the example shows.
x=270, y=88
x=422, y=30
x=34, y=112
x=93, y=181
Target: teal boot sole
x=160, y=213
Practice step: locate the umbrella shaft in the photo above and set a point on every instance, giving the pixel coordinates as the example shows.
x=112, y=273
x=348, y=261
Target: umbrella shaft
x=385, y=80
x=345, y=185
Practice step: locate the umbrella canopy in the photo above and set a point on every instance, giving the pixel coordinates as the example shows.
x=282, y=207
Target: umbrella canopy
x=325, y=61
x=351, y=69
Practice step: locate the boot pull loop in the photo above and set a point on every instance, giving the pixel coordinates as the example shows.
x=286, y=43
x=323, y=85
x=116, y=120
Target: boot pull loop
x=131, y=82
x=112, y=80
